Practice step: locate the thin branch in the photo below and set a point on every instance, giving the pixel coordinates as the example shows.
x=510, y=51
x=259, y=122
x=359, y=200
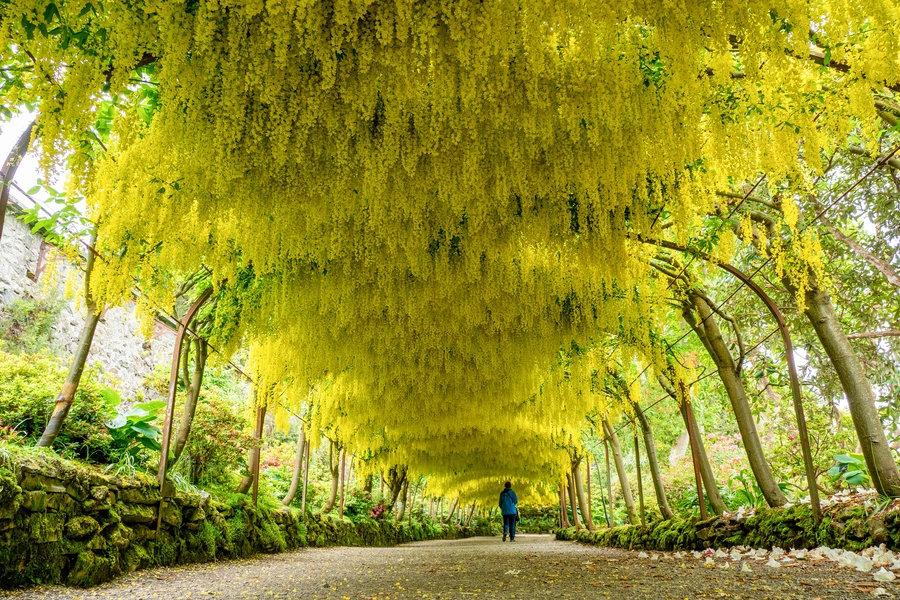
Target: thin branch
x=868, y=335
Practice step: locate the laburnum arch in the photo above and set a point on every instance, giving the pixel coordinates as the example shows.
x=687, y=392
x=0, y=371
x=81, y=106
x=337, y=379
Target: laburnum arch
x=429, y=204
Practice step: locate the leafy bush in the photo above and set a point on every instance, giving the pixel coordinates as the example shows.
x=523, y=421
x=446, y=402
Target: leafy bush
x=26, y=324
x=851, y=469
x=134, y=431
x=29, y=385
x=218, y=443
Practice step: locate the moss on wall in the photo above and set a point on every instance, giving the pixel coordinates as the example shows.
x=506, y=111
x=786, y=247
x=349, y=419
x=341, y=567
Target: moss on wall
x=63, y=523
x=847, y=527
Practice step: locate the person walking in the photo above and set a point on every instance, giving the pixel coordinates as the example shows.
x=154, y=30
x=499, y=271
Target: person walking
x=509, y=509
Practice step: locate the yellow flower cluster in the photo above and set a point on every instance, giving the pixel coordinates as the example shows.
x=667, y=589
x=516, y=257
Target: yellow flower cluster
x=435, y=195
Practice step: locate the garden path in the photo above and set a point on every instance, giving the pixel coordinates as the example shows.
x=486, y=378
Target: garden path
x=535, y=566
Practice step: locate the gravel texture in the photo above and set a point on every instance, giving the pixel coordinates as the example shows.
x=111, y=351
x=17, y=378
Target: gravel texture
x=535, y=566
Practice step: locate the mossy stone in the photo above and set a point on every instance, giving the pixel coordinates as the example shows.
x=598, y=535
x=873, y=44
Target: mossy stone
x=81, y=527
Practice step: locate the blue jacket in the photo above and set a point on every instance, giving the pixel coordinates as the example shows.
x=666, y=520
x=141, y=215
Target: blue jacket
x=508, y=502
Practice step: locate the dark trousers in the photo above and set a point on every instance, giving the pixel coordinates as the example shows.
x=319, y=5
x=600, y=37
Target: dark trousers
x=509, y=525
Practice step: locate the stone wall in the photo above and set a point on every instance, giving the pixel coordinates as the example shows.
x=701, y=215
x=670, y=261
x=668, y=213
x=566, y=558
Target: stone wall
x=61, y=522
x=118, y=344
x=849, y=527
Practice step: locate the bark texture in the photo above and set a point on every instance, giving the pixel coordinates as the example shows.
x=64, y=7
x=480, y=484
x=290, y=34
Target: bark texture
x=298, y=468
x=66, y=396
x=860, y=397
x=579, y=493
x=616, y=450
x=650, y=446
x=711, y=337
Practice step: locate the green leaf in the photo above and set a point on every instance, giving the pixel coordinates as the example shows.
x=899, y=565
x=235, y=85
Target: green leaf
x=144, y=429
x=117, y=423
x=111, y=396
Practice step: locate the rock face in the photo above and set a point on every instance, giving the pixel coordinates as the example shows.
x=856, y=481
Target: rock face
x=118, y=344
x=63, y=523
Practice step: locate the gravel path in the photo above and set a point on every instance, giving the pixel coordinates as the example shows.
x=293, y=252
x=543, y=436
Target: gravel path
x=535, y=566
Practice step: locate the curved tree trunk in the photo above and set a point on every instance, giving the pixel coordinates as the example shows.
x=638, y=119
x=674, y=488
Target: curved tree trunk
x=650, y=446
x=579, y=493
x=298, y=468
x=572, y=501
x=620, y=469
x=405, y=500
x=67, y=395
x=201, y=352
x=860, y=398
x=452, y=510
x=711, y=337
x=334, y=466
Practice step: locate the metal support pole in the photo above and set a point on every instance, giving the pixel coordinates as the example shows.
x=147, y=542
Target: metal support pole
x=8, y=173
x=170, y=399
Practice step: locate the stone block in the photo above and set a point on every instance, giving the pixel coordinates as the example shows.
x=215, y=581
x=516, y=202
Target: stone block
x=81, y=527
x=36, y=481
x=43, y=528
x=61, y=503
x=136, y=513
x=118, y=536
x=35, y=501
x=171, y=515
x=139, y=495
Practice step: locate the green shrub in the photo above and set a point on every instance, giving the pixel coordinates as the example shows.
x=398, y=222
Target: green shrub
x=26, y=323
x=218, y=443
x=29, y=385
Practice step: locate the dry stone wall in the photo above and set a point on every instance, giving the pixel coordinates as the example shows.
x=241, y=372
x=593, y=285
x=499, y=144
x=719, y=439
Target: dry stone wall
x=118, y=344
x=63, y=522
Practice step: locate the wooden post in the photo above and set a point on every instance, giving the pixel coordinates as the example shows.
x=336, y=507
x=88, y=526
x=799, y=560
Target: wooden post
x=305, y=480
x=257, y=434
x=343, y=476
x=8, y=172
x=640, y=481
x=609, y=494
x=695, y=458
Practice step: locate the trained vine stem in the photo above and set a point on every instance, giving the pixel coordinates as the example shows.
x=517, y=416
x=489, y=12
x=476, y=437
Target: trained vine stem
x=789, y=352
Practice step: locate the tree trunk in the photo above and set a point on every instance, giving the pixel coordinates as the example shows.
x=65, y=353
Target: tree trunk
x=650, y=447
x=706, y=472
x=369, y=484
x=201, y=352
x=67, y=395
x=586, y=515
x=396, y=479
x=606, y=512
x=452, y=510
x=405, y=500
x=620, y=469
x=563, y=511
x=253, y=478
x=708, y=332
x=860, y=398
x=572, y=502
x=334, y=466
x=298, y=468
